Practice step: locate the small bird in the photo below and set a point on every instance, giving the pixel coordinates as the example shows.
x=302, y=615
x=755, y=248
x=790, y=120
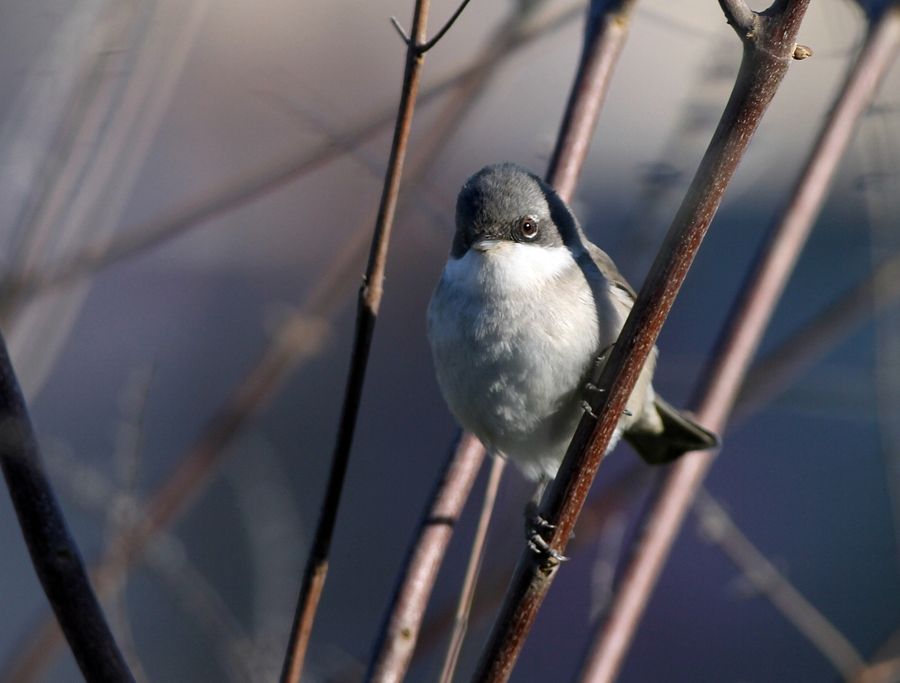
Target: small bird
x=519, y=324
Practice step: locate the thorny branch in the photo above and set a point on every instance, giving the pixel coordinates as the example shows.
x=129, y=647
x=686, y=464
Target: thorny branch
x=764, y=65
x=54, y=553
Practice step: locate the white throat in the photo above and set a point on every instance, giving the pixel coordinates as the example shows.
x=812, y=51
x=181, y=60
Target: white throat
x=509, y=266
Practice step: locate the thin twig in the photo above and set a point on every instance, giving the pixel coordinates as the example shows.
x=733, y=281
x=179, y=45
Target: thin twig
x=425, y=47
x=473, y=569
x=718, y=526
x=370, y=295
x=53, y=551
x=741, y=337
x=398, y=636
x=764, y=65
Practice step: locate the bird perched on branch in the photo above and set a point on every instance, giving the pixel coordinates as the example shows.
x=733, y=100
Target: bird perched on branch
x=519, y=323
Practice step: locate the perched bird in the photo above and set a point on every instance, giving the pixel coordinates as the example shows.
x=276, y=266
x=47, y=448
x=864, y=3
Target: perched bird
x=519, y=322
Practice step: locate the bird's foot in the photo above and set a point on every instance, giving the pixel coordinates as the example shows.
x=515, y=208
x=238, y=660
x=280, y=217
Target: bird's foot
x=535, y=525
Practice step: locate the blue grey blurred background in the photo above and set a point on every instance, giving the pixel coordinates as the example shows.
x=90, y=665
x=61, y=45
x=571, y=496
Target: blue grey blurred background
x=116, y=114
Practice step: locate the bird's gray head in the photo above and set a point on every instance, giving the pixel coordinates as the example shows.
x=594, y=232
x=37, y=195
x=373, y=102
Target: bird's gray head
x=507, y=203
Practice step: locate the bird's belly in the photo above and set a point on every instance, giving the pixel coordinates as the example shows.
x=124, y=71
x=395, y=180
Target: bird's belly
x=512, y=373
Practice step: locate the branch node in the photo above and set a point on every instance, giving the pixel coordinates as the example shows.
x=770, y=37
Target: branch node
x=802, y=52
x=422, y=48
x=740, y=17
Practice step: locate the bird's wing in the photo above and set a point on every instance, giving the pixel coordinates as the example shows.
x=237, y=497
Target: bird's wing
x=609, y=271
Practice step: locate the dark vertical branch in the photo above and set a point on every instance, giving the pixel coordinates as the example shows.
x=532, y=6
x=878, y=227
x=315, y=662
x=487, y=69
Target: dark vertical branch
x=370, y=295
x=767, y=53
x=54, y=553
x=739, y=342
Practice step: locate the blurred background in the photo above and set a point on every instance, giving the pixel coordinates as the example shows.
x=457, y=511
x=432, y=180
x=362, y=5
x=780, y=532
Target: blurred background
x=187, y=192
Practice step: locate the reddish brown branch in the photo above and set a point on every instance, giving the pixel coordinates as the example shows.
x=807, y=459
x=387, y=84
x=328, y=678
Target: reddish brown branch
x=766, y=58
x=53, y=551
x=739, y=342
x=605, y=34
x=401, y=629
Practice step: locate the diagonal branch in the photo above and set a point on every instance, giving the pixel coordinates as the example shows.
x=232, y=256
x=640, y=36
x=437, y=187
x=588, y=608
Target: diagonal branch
x=878, y=291
x=398, y=636
x=54, y=553
x=740, y=339
x=765, y=63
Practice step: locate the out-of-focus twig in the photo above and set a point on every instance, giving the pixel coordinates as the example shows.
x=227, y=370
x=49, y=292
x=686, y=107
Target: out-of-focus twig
x=54, y=553
x=19, y=285
x=369, y=302
x=719, y=528
x=741, y=335
x=473, y=569
x=399, y=634
x=886, y=671
x=606, y=31
x=879, y=290
x=768, y=49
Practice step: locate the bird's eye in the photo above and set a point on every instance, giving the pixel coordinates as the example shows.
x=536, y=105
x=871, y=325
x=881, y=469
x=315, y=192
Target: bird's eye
x=528, y=227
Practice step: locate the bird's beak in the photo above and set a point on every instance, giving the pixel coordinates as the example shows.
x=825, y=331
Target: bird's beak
x=485, y=244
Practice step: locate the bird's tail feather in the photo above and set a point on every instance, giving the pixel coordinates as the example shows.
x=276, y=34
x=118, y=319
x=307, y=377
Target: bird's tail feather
x=680, y=435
